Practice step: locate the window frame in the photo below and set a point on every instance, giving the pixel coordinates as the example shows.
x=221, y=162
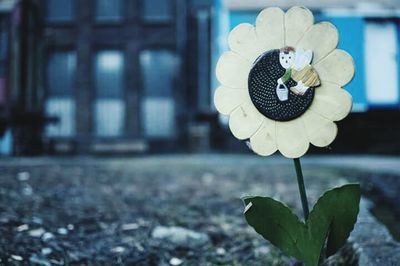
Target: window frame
x=143, y=95
x=165, y=21
x=95, y=51
x=48, y=53
x=59, y=50
x=108, y=21
x=61, y=22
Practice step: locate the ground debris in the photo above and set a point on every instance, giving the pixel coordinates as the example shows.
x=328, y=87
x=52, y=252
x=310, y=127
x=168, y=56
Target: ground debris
x=141, y=212
x=36, y=232
x=180, y=236
x=17, y=257
x=131, y=226
x=62, y=231
x=22, y=227
x=23, y=176
x=175, y=261
x=34, y=259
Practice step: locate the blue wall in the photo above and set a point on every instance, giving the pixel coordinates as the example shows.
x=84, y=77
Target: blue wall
x=351, y=39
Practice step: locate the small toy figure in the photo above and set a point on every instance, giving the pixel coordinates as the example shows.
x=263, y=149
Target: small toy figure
x=298, y=67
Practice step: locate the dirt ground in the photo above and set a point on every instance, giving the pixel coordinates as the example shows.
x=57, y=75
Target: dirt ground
x=88, y=211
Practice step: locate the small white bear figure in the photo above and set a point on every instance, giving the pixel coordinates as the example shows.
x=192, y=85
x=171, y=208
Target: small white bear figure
x=286, y=59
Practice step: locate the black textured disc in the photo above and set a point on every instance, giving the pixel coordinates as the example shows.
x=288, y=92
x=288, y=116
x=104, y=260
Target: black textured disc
x=262, y=88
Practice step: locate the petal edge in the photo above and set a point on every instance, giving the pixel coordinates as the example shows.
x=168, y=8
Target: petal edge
x=244, y=41
x=291, y=138
x=270, y=28
x=263, y=142
x=321, y=38
x=233, y=70
x=338, y=67
x=332, y=102
x=245, y=120
x=297, y=21
x=228, y=99
x=320, y=131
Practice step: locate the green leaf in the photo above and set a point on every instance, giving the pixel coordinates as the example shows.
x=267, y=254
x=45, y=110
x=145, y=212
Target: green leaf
x=333, y=217
x=339, y=208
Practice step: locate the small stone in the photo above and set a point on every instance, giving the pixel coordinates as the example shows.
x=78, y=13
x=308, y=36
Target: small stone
x=62, y=231
x=143, y=222
x=36, y=232
x=27, y=190
x=17, y=258
x=180, y=236
x=261, y=251
x=131, y=226
x=4, y=220
x=22, y=227
x=208, y=178
x=118, y=249
x=139, y=247
x=23, y=176
x=37, y=220
x=175, y=261
x=221, y=251
x=38, y=261
x=56, y=262
x=70, y=227
x=47, y=236
x=46, y=251
x=128, y=240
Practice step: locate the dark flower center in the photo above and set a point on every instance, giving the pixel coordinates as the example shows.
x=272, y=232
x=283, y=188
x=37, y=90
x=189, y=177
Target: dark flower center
x=264, y=90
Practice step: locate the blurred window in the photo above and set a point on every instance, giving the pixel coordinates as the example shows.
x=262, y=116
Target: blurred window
x=108, y=10
x=381, y=48
x=3, y=45
x=157, y=10
x=61, y=73
x=60, y=103
x=109, y=85
x=109, y=68
x=60, y=10
x=158, y=105
x=158, y=69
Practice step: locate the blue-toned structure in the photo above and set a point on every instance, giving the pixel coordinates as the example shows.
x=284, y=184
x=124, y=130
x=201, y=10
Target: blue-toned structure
x=371, y=34
x=352, y=30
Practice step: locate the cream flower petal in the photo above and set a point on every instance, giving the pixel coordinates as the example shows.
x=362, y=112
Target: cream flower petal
x=274, y=29
x=227, y=99
x=332, y=102
x=320, y=131
x=233, y=70
x=291, y=138
x=337, y=67
x=270, y=28
x=243, y=40
x=245, y=120
x=297, y=21
x=322, y=38
x=263, y=142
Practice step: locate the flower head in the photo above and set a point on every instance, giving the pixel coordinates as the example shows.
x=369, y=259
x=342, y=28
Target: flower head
x=281, y=83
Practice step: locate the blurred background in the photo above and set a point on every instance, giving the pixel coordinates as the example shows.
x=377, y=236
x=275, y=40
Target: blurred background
x=135, y=76
x=129, y=77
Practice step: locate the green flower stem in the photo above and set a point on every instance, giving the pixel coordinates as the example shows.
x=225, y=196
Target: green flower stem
x=302, y=188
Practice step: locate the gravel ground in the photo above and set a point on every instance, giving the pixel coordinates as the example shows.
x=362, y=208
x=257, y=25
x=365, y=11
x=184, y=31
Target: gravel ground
x=85, y=211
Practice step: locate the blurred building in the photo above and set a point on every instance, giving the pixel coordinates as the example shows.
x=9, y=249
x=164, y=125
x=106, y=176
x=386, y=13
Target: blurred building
x=119, y=75
x=112, y=76
x=21, y=88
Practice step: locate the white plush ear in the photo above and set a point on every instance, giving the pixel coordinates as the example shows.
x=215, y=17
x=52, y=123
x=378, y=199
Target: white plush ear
x=303, y=58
